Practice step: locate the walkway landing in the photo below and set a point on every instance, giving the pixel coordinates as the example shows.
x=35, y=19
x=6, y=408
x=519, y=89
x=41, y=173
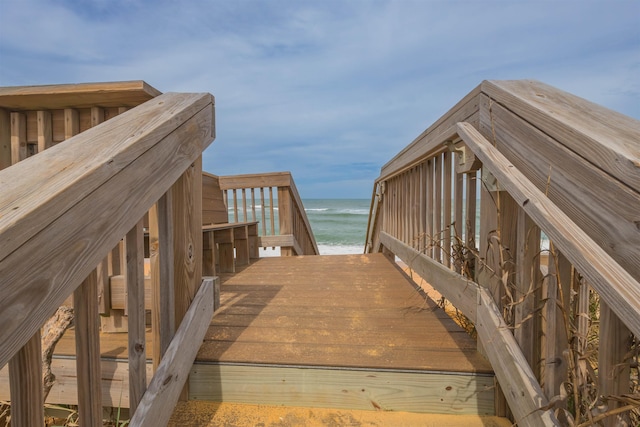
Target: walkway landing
x=342, y=331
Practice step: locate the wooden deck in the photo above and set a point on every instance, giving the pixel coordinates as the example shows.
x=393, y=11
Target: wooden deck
x=344, y=332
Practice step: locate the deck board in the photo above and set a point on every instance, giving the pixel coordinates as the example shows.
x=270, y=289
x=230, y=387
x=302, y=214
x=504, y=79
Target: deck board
x=355, y=311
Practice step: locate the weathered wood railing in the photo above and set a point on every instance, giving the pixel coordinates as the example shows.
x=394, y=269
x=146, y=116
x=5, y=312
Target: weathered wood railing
x=541, y=160
x=63, y=210
x=292, y=232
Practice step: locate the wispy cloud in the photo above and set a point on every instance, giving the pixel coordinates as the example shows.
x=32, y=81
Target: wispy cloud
x=330, y=90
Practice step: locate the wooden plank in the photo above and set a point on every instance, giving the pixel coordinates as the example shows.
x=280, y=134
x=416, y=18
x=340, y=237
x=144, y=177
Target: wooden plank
x=114, y=383
x=45, y=227
x=606, y=209
x=136, y=316
x=274, y=179
x=83, y=95
x=18, y=137
x=285, y=219
x=604, y=137
x=419, y=392
x=526, y=293
x=25, y=377
x=614, y=284
x=519, y=384
x=279, y=241
x=187, y=239
x=162, y=275
x=613, y=363
x=461, y=291
x=45, y=130
x=448, y=201
x=164, y=390
x=556, y=314
x=5, y=138
x=85, y=307
x=71, y=123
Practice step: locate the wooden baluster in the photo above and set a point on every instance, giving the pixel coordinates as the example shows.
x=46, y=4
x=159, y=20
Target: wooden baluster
x=447, y=200
x=162, y=276
x=89, y=377
x=430, y=231
x=253, y=205
x=271, y=212
x=244, y=205
x=527, y=291
x=71, y=123
x=285, y=218
x=458, y=218
x=5, y=139
x=556, y=341
x=136, y=318
x=25, y=382
x=187, y=239
x=470, y=218
x=422, y=198
x=45, y=130
x=613, y=363
x=437, y=225
x=235, y=205
x=263, y=212
x=18, y=137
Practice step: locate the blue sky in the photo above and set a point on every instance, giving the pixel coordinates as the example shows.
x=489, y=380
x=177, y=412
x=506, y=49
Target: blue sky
x=329, y=90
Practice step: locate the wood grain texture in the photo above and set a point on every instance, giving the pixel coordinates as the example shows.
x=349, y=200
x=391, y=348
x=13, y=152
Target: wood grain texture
x=601, y=136
x=461, y=291
x=607, y=209
x=83, y=95
x=71, y=224
x=5, y=138
x=85, y=307
x=162, y=394
x=419, y=392
x=614, y=284
x=327, y=311
x=518, y=383
x=18, y=137
x=25, y=377
x=136, y=314
x=162, y=275
x=273, y=179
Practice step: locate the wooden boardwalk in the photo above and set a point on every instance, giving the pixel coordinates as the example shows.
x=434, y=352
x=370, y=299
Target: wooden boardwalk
x=343, y=332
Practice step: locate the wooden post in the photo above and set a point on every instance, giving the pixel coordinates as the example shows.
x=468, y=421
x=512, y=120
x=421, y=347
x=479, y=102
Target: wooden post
x=25, y=382
x=18, y=137
x=162, y=276
x=437, y=224
x=45, y=130
x=136, y=318
x=5, y=139
x=527, y=289
x=556, y=341
x=613, y=364
x=447, y=200
x=285, y=218
x=71, y=123
x=187, y=239
x=89, y=377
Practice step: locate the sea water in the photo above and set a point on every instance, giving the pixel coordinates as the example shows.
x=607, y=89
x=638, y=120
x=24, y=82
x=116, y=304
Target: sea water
x=340, y=225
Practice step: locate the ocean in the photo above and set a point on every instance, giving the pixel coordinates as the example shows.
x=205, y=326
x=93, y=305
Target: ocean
x=339, y=225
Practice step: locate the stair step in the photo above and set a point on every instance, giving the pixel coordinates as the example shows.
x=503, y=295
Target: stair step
x=209, y=414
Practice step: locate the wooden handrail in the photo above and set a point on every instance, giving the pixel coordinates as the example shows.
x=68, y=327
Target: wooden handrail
x=619, y=289
x=291, y=221
x=541, y=160
x=63, y=210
